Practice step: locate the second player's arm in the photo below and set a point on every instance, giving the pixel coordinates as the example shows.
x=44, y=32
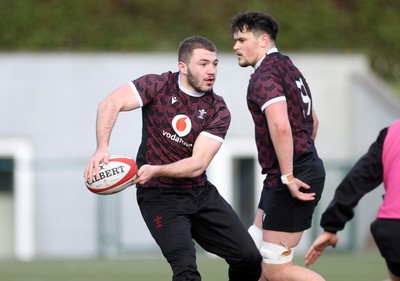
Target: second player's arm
x=281, y=135
x=316, y=124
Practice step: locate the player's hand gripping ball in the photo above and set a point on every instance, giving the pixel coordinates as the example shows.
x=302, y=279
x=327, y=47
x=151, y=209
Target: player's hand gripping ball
x=114, y=176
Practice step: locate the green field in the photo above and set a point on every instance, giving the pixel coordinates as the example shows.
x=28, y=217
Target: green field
x=367, y=266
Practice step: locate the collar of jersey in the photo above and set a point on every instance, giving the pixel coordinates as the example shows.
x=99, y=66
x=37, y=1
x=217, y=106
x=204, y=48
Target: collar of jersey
x=270, y=51
x=186, y=90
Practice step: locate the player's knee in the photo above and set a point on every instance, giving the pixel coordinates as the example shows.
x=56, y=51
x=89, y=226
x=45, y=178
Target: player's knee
x=257, y=234
x=250, y=257
x=248, y=254
x=246, y=265
x=276, y=254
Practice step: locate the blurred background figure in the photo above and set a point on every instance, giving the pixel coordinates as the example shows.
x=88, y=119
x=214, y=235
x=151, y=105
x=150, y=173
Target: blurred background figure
x=381, y=164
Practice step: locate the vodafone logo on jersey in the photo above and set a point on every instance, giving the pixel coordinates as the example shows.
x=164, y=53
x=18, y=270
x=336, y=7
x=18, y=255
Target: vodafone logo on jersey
x=181, y=125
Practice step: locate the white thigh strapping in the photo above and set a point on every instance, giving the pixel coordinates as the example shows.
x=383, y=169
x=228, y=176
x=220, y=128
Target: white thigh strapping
x=276, y=254
x=257, y=235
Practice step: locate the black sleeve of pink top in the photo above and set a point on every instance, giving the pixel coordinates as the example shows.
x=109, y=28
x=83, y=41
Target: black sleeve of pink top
x=365, y=175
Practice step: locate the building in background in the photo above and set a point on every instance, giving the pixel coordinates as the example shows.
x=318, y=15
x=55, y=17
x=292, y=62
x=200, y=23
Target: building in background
x=47, y=135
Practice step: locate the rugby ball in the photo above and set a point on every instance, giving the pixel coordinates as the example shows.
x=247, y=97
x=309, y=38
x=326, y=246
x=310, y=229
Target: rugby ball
x=114, y=176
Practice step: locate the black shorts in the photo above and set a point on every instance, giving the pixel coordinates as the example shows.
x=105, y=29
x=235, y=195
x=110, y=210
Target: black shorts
x=386, y=233
x=282, y=211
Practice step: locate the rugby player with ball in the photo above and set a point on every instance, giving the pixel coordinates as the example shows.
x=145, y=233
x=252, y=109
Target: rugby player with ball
x=184, y=126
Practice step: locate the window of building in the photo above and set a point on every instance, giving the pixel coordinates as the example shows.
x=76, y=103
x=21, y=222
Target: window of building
x=6, y=174
x=244, y=188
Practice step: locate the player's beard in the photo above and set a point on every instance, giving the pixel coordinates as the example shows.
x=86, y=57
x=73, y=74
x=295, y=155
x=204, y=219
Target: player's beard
x=243, y=62
x=195, y=83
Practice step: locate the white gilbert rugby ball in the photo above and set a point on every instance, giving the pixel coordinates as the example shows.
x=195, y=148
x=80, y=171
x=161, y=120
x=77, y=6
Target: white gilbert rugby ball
x=114, y=176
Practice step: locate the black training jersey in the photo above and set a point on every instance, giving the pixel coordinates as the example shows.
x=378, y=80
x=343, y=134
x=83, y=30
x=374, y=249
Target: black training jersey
x=277, y=79
x=173, y=118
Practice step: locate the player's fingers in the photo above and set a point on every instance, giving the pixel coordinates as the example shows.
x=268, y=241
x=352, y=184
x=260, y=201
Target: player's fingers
x=86, y=173
x=93, y=169
x=309, y=262
x=140, y=176
x=310, y=196
x=137, y=179
x=93, y=172
x=312, y=255
x=309, y=253
x=311, y=258
x=89, y=172
x=106, y=158
x=96, y=170
x=306, y=196
x=304, y=185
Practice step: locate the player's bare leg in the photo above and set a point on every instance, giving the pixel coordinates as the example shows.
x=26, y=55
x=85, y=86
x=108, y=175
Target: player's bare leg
x=393, y=277
x=255, y=230
x=279, y=267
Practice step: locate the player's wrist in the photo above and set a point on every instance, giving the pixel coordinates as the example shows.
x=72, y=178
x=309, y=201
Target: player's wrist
x=287, y=178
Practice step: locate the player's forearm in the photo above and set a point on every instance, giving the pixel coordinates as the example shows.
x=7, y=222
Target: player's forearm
x=107, y=114
x=283, y=144
x=204, y=151
x=315, y=126
x=185, y=168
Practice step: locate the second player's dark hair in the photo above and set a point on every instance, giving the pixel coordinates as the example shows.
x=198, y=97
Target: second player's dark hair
x=255, y=22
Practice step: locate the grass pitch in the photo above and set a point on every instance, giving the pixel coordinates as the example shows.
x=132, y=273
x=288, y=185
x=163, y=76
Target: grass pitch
x=368, y=266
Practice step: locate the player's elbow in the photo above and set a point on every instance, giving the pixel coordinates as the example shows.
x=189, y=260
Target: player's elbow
x=316, y=124
x=315, y=129
x=283, y=130
x=107, y=105
x=111, y=104
x=199, y=169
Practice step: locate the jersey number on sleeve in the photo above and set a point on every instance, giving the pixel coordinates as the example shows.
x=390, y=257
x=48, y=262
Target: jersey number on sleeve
x=305, y=97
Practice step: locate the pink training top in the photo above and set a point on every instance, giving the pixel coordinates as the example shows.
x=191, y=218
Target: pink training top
x=390, y=209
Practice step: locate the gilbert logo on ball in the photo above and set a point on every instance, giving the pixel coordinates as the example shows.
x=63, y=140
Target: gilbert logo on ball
x=114, y=176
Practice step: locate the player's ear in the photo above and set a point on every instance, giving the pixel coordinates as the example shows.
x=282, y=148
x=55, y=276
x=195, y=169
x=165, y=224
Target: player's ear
x=263, y=40
x=182, y=67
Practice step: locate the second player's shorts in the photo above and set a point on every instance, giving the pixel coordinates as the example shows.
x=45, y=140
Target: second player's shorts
x=282, y=211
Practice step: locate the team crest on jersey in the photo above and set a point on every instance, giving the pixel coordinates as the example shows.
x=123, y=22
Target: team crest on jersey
x=202, y=112
x=181, y=125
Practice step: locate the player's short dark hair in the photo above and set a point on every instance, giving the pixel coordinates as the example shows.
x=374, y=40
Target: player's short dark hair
x=255, y=22
x=189, y=44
